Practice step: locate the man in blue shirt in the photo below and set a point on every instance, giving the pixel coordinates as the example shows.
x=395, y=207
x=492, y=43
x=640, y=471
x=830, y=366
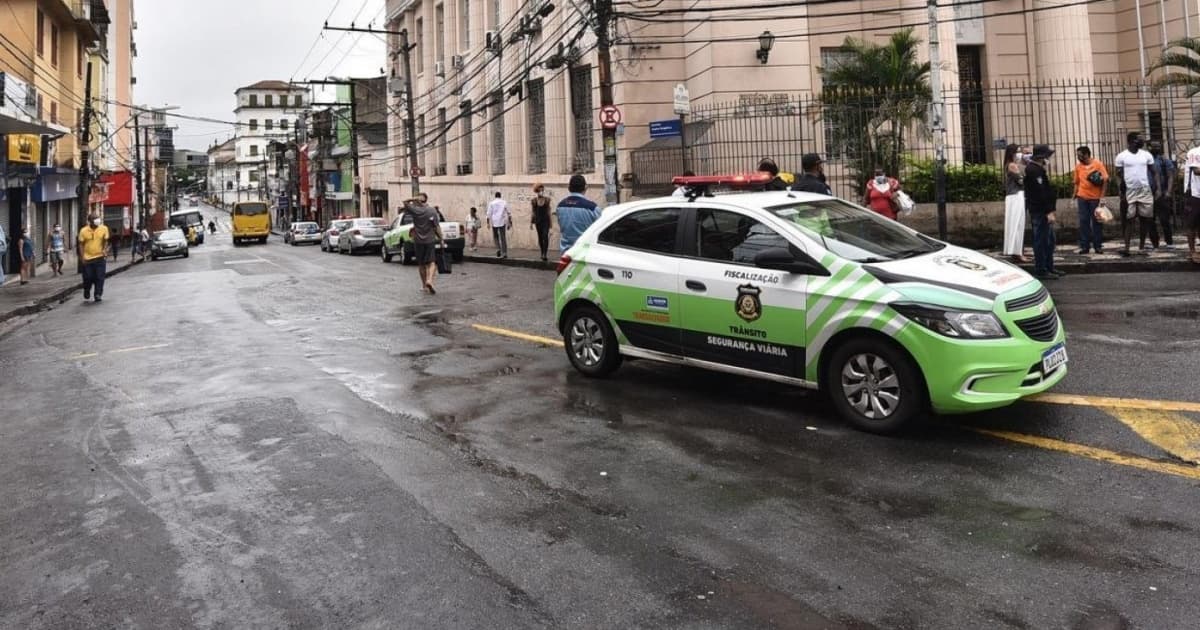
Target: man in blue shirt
x=1163, y=186
x=576, y=213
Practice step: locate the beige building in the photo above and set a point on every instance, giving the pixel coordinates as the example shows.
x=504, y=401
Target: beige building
x=525, y=110
x=119, y=80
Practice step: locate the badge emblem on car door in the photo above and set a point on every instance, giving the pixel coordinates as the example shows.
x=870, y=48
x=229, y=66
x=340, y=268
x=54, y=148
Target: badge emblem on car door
x=748, y=306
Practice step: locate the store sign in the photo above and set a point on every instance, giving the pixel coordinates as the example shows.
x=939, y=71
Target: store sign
x=25, y=148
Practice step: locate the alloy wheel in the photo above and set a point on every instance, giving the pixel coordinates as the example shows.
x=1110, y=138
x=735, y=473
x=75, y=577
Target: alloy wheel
x=871, y=386
x=587, y=341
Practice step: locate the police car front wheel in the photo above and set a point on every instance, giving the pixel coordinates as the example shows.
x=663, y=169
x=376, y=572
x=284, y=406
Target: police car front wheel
x=590, y=342
x=875, y=386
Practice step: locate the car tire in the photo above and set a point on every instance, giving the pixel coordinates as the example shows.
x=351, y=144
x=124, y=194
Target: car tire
x=875, y=385
x=185, y=254
x=154, y=257
x=383, y=254
x=590, y=342
x=322, y=243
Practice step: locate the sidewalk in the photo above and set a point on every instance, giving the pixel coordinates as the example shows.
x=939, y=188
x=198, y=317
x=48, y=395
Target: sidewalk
x=1065, y=259
x=46, y=289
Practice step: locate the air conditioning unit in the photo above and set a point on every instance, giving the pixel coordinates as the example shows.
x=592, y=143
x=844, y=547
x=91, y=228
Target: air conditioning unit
x=492, y=41
x=439, y=68
x=30, y=97
x=463, y=169
x=396, y=86
x=456, y=62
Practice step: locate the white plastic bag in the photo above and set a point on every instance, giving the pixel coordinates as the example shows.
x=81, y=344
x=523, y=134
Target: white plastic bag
x=904, y=203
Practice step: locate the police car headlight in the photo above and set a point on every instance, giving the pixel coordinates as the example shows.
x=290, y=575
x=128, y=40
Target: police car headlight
x=951, y=323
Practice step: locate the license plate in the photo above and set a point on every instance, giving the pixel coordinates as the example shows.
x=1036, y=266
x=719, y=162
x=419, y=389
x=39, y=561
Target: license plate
x=1053, y=358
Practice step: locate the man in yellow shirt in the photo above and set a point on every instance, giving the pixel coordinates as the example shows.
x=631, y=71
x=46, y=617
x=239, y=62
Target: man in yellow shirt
x=93, y=250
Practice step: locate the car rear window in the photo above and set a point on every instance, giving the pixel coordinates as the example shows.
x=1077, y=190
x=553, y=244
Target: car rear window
x=250, y=209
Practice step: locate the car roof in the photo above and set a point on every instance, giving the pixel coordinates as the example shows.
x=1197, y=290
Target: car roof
x=752, y=200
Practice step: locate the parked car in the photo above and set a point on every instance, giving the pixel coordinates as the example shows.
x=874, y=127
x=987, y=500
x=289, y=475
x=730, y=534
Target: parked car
x=171, y=242
x=361, y=234
x=397, y=243
x=303, y=232
x=329, y=237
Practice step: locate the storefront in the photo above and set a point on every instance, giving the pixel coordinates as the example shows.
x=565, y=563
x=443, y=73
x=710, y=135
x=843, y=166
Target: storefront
x=118, y=203
x=55, y=195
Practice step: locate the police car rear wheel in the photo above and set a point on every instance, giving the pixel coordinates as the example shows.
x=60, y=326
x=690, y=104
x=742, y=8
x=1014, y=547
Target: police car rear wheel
x=874, y=385
x=590, y=343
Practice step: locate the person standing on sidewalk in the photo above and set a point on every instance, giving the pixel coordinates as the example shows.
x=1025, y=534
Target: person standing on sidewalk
x=1091, y=180
x=25, y=250
x=1039, y=201
x=499, y=220
x=1134, y=172
x=1163, y=185
x=3, y=253
x=539, y=218
x=1191, y=219
x=56, y=246
x=575, y=212
x=93, y=251
x=473, y=228
x=426, y=234
x=1014, y=204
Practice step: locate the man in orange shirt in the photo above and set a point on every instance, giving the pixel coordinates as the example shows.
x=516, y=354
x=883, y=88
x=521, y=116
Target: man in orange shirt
x=1091, y=180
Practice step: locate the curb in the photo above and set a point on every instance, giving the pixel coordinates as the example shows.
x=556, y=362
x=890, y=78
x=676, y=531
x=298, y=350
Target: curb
x=45, y=303
x=511, y=262
x=1123, y=266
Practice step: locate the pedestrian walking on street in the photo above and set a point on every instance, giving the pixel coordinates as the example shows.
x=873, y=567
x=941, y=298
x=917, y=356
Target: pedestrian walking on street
x=1191, y=219
x=539, y=218
x=1163, y=185
x=93, y=251
x=499, y=220
x=473, y=228
x=880, y=194
x=116, y=246
x=3, y=253
x=426, y=235
x=813, y=179
x=26, y=252
x=1014, y=203
x=56, y=246
x=575, y=213
x=1091, y=180
x=145, y=238
x=1134, y=170
x=1039, y=201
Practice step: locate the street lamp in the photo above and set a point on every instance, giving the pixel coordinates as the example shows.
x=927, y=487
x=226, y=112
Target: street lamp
x=765, y=41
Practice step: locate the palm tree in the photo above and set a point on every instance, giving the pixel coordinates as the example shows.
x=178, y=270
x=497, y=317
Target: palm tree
x=872, y=97
x=1181, y=60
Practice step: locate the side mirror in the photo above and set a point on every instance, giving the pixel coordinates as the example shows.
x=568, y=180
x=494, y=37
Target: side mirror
x=791, y=261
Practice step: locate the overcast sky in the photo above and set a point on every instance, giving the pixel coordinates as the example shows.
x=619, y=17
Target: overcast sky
x=195, y=54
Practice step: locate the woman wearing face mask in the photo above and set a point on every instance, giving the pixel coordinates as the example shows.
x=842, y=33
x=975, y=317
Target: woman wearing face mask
x=881, y=192
x=539, y=218
x=1014, y=202
x=56, y=244
x=25, y=249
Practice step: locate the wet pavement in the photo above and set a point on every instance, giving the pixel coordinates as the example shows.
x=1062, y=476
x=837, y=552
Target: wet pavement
x=272, y=436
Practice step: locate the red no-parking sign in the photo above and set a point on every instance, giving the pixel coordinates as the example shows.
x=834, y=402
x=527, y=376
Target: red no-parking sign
x=610, y=117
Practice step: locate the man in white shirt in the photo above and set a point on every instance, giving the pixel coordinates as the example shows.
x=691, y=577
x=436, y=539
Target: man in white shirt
x=499, y=220
x=1191, y=204
x=1134, y=172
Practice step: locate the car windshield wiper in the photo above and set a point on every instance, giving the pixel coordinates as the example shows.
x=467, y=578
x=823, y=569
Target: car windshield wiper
x=912, y=253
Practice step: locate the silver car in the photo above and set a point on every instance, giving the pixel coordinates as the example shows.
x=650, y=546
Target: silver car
x=168, y=243
x=329, y=238
x=361, y=234
x=304, y=232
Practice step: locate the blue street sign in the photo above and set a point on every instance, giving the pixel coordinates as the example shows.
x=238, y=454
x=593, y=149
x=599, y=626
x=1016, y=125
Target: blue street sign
x=666, y=128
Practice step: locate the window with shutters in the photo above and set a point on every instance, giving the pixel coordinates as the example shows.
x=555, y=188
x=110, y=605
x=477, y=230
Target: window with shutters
x=268, y=124
x=268, y=100
x=464, y=25
x=468, y=151
x=535, y=125
x=41, y=34
x=253, y=124
x=54, y=44
x=581, y=115
x=253, y=100
x=440, y=168
x=496, y=125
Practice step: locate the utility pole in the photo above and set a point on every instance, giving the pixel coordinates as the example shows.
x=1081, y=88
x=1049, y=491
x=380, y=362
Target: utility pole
x=410, y=121
x=603, y=19
x=137, y=168
x=85, y=139
x=356, y=187
x=149, y=168
x=937, y=116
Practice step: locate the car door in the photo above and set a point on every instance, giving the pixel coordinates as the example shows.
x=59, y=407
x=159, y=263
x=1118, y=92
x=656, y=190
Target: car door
x=635, y=265
x=731, y=311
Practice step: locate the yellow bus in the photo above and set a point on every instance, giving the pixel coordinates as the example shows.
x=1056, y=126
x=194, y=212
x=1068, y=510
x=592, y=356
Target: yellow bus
x=251, y=221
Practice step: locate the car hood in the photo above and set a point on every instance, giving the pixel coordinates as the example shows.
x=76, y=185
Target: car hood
x=952, y=276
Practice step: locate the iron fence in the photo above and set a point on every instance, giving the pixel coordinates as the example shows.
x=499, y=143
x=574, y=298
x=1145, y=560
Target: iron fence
x=854, y=132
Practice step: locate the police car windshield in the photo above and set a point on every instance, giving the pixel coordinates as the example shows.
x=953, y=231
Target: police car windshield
x=855, y=233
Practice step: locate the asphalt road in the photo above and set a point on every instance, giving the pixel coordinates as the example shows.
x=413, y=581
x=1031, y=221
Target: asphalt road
x=270, y=436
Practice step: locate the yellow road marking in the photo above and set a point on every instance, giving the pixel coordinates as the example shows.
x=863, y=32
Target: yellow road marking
x=517, y=335
x=1091, y=452
x=1115, y=403
x=88, y=355
x=1171, y=432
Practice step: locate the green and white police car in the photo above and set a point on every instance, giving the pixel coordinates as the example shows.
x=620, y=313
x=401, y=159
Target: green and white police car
x=808, y=290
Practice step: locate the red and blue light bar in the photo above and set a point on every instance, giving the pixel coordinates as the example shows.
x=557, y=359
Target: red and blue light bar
x=736, y=180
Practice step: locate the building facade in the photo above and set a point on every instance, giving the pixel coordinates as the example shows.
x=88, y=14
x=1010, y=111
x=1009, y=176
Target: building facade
x=223, y=173
x=506, y=92
x=266, y=112
x=44, y=53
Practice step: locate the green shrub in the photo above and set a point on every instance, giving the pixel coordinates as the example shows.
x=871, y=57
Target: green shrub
x=977, y=182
